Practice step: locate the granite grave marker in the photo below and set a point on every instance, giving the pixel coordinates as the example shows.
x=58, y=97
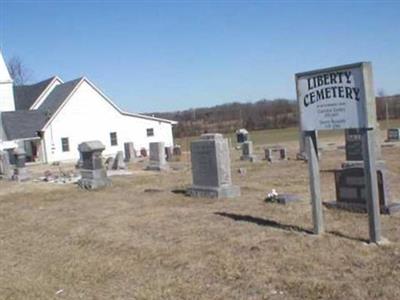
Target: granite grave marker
x=93, y=173
x=211, y=168
x=157, y=160
x=247, y=152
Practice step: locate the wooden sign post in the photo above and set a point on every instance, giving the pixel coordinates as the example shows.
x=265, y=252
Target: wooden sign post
x=340, y=98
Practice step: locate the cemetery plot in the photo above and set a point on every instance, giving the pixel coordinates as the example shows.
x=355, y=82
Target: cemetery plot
x=124, y=242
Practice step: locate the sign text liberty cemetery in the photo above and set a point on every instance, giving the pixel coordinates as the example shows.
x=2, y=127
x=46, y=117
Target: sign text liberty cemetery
x=332, y=99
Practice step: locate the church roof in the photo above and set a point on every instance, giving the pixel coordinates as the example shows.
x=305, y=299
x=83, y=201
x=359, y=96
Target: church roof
x=26, y=95
x=58, y=95
x=23, y=124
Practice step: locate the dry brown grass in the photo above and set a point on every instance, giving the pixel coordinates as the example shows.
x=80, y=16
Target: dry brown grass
x=124, y=243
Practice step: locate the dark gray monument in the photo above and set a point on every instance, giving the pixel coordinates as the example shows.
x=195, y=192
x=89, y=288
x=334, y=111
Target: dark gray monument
x=93, y=173
x=130, y=152
x=393, y=134
x=247, y=152
x=211, y=168
x=350, y=190
x=242, y=135
x=353, y=145
x=20, y=170
x=157, y=160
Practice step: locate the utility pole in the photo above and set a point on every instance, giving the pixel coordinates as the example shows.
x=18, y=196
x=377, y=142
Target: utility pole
x=387, y=113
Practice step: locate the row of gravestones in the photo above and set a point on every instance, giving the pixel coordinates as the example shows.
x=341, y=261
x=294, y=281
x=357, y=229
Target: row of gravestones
x=211, y=171
x=170, y=152
x=212, y=174
x=93, y=173
x=210, y=159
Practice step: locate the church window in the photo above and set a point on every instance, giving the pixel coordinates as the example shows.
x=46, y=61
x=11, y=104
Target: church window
x=150, y=131
x=113, y=138
x=65, y=144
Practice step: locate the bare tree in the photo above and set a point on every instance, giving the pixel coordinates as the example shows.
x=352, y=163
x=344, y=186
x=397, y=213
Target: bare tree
x=381, y=93
x=18, y=71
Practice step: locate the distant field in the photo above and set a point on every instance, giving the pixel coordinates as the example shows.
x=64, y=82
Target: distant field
x=276, y=136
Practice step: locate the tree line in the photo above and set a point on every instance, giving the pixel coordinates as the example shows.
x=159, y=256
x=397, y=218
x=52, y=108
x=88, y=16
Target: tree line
x=225, y=118
x=263, y=114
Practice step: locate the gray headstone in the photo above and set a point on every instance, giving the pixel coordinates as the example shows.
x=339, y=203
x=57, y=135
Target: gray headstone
x=20, y=170
x=157, y=160
x=211, y=168
x=93, y=173
x=130, y=152
x=110, y=163
x=247, y=151
x=118, y=163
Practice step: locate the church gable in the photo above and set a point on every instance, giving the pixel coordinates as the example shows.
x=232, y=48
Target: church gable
x=26, y=95
x=84, y=103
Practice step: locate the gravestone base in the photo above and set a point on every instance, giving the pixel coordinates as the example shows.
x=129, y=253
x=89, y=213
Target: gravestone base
x=250, y=158
x=287, y=198
x=362, y=208
x=360, y=164
x=21, y=174
x=157, y=167
x=301, y=156
x=224, y=191
x=94, y=179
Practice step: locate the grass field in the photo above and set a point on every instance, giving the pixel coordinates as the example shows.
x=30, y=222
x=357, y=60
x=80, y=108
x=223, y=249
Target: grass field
x=139, y=240
x=276, y=136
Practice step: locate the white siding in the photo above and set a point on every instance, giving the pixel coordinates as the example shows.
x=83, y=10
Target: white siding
x=88, y=116
x=6, y=97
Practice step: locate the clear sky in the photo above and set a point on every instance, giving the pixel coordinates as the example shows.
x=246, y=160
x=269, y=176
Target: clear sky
x=167, y=55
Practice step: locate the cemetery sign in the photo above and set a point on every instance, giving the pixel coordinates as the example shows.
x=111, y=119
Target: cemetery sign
x=340, y=98
x=334, y=98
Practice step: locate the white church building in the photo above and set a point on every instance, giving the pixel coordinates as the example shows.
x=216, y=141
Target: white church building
x=51, y=118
